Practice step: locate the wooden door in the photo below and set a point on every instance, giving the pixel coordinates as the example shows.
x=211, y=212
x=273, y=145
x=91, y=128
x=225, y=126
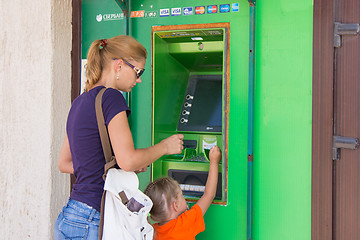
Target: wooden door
x=336, y=111
x=346, y=189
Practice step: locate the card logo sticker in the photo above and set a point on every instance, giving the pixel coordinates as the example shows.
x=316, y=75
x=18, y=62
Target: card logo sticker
x=235, y=7
x=212, y=9
x=165, y=12
x=200, y=10
x=175, y=11
x=150, y=14
x=137, y=14
x=188, y=11
x=224, y=8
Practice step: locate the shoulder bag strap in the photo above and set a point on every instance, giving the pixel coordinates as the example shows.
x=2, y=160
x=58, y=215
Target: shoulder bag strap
x=109, y=158
x=101, y=125
x=104, y=136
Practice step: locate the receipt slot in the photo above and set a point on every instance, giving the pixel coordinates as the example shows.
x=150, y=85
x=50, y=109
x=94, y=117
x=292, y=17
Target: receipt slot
x=190, y=96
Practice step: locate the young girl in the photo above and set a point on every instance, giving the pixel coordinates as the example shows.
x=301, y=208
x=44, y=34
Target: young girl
x=175, y=220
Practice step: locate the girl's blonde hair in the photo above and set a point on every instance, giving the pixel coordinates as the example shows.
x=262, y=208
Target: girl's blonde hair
x=162, y=192
x=102, y=51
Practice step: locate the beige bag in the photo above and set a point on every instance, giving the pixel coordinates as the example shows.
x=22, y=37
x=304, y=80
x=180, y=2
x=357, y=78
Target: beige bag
x=124, y=208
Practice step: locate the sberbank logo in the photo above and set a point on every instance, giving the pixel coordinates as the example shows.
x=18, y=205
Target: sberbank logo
x=109, y=17
x=99, y=17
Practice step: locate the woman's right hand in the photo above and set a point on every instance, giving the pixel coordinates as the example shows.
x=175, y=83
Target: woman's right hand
x=174, y=144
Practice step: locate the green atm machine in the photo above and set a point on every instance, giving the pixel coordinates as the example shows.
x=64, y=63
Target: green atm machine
x=198, y=82
x=190, y=96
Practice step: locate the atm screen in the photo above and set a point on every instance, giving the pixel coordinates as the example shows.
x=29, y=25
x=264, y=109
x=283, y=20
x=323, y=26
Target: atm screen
x=202, y=106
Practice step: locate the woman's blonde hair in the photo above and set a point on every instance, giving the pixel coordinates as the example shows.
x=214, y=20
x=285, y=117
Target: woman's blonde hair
x=162, y=192
x=102, y=51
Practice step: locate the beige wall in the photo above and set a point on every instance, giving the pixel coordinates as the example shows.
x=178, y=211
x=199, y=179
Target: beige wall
x=35, y=84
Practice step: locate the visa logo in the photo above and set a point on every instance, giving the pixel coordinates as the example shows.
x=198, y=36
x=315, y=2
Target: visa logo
x=175, y=11
x=212, y=9
x=200, y=10
x=165, y=12
x=188, y=11
x=224, y=8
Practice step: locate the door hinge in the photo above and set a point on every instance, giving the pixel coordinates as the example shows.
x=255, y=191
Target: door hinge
x=344, y=29
x=343, y=142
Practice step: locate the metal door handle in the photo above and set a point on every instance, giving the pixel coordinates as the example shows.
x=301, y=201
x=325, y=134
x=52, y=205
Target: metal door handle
x=343, y=142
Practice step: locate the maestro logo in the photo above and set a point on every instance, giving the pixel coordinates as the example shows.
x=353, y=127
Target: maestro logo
x=212, y=9
x=200, y=10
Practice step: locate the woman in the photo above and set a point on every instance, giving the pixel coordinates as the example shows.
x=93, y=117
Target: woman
x=117, y=64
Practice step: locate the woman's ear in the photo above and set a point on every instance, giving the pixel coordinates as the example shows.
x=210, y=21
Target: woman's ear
x=117, y=64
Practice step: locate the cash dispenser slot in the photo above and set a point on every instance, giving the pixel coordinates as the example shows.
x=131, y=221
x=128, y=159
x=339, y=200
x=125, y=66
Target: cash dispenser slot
x=192, y=144
x=192, y=183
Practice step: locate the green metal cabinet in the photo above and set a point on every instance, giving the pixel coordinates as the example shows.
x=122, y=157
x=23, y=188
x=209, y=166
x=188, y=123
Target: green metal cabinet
x=266, y=131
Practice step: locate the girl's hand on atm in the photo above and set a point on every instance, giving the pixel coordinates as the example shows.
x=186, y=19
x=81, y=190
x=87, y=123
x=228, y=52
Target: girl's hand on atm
x=212, y=180
x=215, y=154
x=174, y=144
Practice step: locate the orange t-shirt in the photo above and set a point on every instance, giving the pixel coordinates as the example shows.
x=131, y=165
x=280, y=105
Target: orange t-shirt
x=184, y=227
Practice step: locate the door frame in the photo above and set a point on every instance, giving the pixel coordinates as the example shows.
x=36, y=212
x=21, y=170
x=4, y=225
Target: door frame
x=76, y=49
x=75, y=58
x=322, y=121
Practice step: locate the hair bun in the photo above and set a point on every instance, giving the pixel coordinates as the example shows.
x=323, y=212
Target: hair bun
x=103, y=42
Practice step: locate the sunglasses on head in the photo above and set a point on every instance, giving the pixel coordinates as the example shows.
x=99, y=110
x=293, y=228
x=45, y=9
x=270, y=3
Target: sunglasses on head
x=137, y=70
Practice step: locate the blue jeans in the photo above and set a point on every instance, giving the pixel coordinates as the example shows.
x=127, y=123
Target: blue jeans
x=77, y=221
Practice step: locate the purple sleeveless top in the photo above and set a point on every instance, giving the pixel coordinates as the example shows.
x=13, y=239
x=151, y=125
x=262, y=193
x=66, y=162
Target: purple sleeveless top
x=85, y=145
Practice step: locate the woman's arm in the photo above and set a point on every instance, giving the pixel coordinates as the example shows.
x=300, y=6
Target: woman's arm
x=65, y=163
x=130, y=159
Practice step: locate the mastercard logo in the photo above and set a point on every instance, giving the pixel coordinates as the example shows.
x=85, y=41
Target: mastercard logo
x=200, y=10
